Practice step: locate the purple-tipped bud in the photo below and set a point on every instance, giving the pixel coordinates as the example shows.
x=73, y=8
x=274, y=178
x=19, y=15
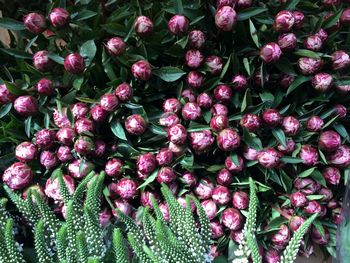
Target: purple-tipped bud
x=196, y=39
x=45, y=87
x=201, y=141
x=309, y=155
x=204, y=100
x=314, y=124
x=240, y=82
x=194, y=79
x=232, y=219
x=143, y=26
x=204, y=189
x=224, y=177
x=164, y=157
x=219, y=109
x=210, y=208
x=59, y=17
x=341, y=157
x=5, y=95
x=66, y=136
x=281, y=237
x=219, y=122
x=270, y=53
x=295, y=222
x=141, y=70
x=331, y=175
x=79, y=110
x=18, y=176
x=308, y=66
x=290, y=125
x=228, y=140
x=322, y=82
x=84, y=125
x=216, y=229
x=146, y=163
x=189, y=179
x=52, y=187
x=284, y=21
x=126, y=188
x=178, y=25
x=169, y=119
x=269, y=158
x=251, y=122
x=221, y=195
x=240, y=200
x=340, y=60
x=109, y=102
x=115, y=46
x=250, y=153
x=223, y=93
x=298, y=199
x=288, y=148
x=225, y=18
x=80, y=168
x=74, y=63
x=26, y=105
x=287, y=42
x=64, y=154
x=166, y=175
x=329, y=141
x=172, y=105
x=135, y=125
x=26, y=152
x=313, y=43
x=35, y=23
x=214, y=64
x=98, y=114
x=45, y=138
x=48, y=159
x=177, y=134
x=272, y=256
x=194, y=58
x=271, y=118
x=191, y=111
x=124, y=92
x=232, y=166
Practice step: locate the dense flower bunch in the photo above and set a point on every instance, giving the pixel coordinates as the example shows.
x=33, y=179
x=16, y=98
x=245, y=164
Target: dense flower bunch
x=198, y=96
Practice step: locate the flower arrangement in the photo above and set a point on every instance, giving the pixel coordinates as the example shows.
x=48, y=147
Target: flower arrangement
x=201, y=96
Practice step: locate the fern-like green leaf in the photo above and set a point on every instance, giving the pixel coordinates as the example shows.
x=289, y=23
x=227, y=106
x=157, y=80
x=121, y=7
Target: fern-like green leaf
x=291, y=251
x=4, y=256
x=40, y=244
x=82, y=248
x=119, y=247
x=14, y=255
x=62, y=243
x=139, y=250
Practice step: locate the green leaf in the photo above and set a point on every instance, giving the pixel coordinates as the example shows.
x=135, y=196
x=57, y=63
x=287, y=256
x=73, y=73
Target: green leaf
x=28, y=126
x=179, y=7
x=5, y=109
x=13, y=88
x=246, y=100
x=194, y=126
x=287, y=159
x=341, y=130
x=307, y=172
x=306, y=53
x=215, y=167
x=234, y=158
x=11, y=24
x=149, y=180
x=157, y=130
x=88, y=51
x=318, y=177
x=332, y=20
x=169, y=74
x=254, y=33
x=118, y=130
x=292, y=4
x=279, y=135
x=246, y=66
x=224, y=70
x=57, y=58
x=83, y=15
x=296, y=83
x=250, y=12
x=16, y=53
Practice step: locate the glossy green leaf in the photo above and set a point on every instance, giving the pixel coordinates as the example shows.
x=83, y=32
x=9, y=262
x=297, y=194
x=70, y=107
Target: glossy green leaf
x=169, y=74
x=11, y=24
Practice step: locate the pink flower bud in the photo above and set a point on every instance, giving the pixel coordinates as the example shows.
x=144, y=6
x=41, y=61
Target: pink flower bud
x=124, y=207
x=26, y=105
x=290, y=125
x=221, y=3
x=322, y=34
x=223, y=93
x=52, y=187
x=45, y=138
x=5, y=95
x=322, y=82
x=165, y=211
x=309, y=155
x=330, y=3
x=79, y=110
x=178, y=25
x=204, y=100
x=243, y=4
x=183, y=203
x=240, y=200
x=100, y=148
x=298, y=19
x=232, y=219
x=169, y=119
x=269, y=158
x=196, y=39
x=314, y=124
x=313, y=43
x=66, y=136
x=345, y=17
x=270, y=53
x=166, y=175
x=194, y=79
x=340, y=110
x=59, y=17
x=329, y=141
x=219, y=122
x=84, y=145
x=232, y=167
x=48, y=159
x=113, y=167
x=194, y=58
x=105, y=217
x=340, y=60
x=336, y=216
x=83, y=126
x=188, y=95
x=341, y=157
x=214, y=64
x=164, y=157
x=210, y=208
x=126, y=188
x=204, y=189
x=219, y=109
x=224, y=177
x=272, y=118
x=124, y=92
x=225, y=18
x=35, y=23
x=309, y=66
x=143, y=26
x=259, y=78
x=272, y=256
x=284, y=21
x=80, y=168
x=237, y=236
x=64, y=154
x=201, y=141
x=189, y=179
x=221, y=195
x=319, y=238
x=250, y=153
x=172, y=105
x=146, y=198
x=327, y=193
x=288, y=148
x=298, y=199
x=45, y=87
x=240, y=82
x=216, y=229
x=26, y=152
x=295, y=222
x=287, y=42
x=281, y=237
x=191, y=111
x=141, y=70
x=286, y=81
x=306, y=185
x=146, y=163
x=228, y=140
x=74, y=63
x=98, y=114
x=177, y=134
x=109, y=102
x=18, y=176
x=331, y=175
x=251, y=122
x=135, y=125
x=115, y=46
x=312, y=207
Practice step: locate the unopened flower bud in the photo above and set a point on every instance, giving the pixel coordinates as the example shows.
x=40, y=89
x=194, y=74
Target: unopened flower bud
x=74, y=63
x=225, y=18
x=178, y=25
